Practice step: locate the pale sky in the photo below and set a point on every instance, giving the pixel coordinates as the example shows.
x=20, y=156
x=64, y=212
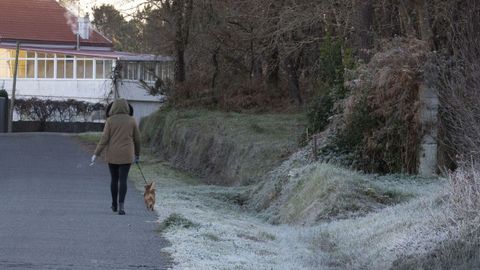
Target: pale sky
x=125, y=6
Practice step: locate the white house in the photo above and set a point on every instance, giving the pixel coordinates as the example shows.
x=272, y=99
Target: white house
x=62, y=57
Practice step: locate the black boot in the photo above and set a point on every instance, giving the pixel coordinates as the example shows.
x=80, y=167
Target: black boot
x=121, y=211
x=114, y=207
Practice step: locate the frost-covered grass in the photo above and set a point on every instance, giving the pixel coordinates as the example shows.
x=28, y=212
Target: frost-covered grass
x=376, y=240
x=223, y=235
x=326, y=192
x=402, y=220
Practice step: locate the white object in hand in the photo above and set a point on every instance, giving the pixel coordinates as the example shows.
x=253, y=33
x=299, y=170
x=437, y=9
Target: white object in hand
x=94, y=157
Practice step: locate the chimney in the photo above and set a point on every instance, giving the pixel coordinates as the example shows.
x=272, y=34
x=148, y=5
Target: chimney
x=84, y=27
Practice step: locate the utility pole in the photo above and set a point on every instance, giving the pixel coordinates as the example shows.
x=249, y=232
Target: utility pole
x=78, y=25
x=14, y=88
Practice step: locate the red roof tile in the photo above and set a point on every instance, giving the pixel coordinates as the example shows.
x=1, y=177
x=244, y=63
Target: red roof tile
x=41, y=21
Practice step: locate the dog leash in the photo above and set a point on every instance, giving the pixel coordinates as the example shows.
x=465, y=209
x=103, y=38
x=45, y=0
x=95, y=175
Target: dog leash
x=144, y=179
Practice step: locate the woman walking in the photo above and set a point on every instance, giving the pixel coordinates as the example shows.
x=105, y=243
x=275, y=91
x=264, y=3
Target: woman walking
x=121, y=140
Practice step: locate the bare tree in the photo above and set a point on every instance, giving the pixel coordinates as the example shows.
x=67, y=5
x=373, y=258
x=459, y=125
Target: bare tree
x=457, y=78
x=180, y=12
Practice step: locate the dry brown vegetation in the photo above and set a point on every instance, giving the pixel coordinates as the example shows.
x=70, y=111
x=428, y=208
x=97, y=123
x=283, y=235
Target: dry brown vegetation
x=381, y=116
x=259, y=56
x=243, y=54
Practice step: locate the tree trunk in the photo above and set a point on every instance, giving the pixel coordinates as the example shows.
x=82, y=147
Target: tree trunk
x=365, y=25
x=216, y=68
x=273, y=70
x=291, y=66
x=178, y=6
x=182, y=12
x=406, y=20
x=180, y=65
x=426, y=33
x=257, y=68
x=255, y=63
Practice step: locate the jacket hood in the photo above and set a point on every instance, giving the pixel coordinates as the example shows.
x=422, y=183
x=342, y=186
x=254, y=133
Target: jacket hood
x=120, y=106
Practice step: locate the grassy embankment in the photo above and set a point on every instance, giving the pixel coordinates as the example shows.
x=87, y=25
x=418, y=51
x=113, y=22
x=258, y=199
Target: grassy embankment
x=222, y=148
x=350, y=220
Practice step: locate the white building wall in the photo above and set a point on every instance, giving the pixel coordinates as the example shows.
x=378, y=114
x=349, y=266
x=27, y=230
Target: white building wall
x=142, y=109
x=143, y=103
x=86, y=90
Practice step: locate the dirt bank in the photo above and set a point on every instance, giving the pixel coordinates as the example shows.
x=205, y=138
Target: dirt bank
x=222, y=148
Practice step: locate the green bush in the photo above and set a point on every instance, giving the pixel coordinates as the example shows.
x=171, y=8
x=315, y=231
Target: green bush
x=319, y=112
x=359, y=123
x=329, y=80
x=331, y=62
x=3, y=93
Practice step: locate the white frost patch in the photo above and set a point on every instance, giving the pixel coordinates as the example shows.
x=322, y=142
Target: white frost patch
x=229, y=238
x=226, y=237
x=378, y=239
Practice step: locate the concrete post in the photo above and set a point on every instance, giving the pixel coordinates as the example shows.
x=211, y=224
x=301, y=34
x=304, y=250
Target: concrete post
x=428, y=159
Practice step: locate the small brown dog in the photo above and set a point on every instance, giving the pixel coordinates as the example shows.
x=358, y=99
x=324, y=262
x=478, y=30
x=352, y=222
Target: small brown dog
x=149, y=196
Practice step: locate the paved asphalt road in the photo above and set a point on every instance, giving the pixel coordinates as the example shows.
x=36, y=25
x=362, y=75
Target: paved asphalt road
x=54, y=211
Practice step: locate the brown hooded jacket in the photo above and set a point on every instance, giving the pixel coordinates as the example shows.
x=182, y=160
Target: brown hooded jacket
x=120, y=136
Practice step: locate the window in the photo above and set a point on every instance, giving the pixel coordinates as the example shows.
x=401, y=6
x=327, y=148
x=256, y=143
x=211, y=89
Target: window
x=65, y=66
x=141, y=71
x=50, y=68
x=5, y=69
x=60, y=66
x=80, y=68
x=26, y=65
x=148, y=72
x=22, y=68
x=84, y=68
x=132, y=71
x=108, y=68
x=99, y=69
x=69, y=63
x=88, y=69
x=31, y=68
x=45, y=65
x=41, y=69
x=159, y=70
x=103, y=69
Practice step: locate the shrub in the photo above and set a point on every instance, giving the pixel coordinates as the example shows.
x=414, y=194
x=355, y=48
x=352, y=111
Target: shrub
x=329, y=80
x=360, y=121
x=331, y=62
x=462, y=223
x=44, y=110
x=3, y=93
x=464, y=197
x=381, y=118
x=319, y=112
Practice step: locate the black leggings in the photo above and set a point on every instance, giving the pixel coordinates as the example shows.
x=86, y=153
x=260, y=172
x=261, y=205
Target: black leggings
x=119, y=173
